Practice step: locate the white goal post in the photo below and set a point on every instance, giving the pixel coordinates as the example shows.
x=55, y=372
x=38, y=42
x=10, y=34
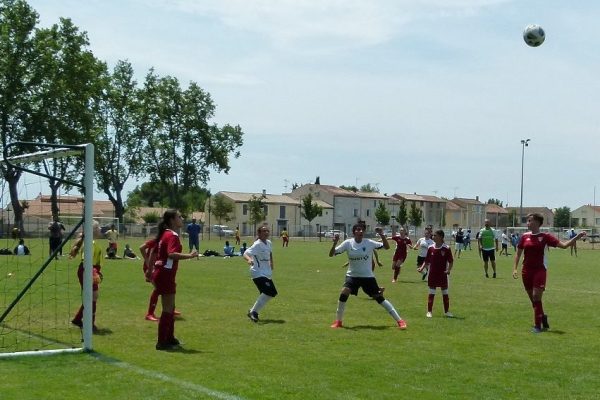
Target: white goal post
x=22, y=162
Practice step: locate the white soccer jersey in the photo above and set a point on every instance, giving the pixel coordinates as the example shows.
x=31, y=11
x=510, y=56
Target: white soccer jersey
x=261, y=254
x=360, y=256
x=423, y=246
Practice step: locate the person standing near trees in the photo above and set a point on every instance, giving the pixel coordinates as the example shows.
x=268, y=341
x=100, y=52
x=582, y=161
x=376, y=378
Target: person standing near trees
x=193, y=231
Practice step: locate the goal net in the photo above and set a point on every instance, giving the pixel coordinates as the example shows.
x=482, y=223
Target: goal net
x=39, y=287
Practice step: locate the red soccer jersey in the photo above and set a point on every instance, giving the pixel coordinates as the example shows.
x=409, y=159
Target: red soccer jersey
x=169, y=243
x=535, y=248
x=438, y=258
x=401, y=244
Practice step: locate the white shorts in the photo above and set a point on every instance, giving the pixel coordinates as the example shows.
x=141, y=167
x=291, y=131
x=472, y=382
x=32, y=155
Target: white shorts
x=458, y=246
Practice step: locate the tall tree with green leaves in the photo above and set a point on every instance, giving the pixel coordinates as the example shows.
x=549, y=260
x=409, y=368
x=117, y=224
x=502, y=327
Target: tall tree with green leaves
x=562, y=217
x=310, y=210
x=120, y=155
x=17, y=54
x=382, y=214
x=256, y=210
x=415, y=215
x=402, y=216
x=221, y=208
x=64, y=104
x=185, y=146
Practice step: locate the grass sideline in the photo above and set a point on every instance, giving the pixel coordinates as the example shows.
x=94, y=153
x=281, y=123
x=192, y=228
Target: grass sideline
x=486, y=352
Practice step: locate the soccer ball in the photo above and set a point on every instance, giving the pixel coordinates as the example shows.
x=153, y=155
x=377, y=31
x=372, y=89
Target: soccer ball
x=534, y=35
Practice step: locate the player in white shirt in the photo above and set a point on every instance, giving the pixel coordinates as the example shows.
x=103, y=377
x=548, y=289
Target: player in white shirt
x=260, y=259
x=360, y=273
x=422, y=245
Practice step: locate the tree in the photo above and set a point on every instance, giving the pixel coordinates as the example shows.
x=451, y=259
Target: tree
x=222, y=208
x=17, y=55
x=318, y=180
x=402, y=216
x=183, y=146
x=415, y=216
x=349, y=188
x=562, y=217
x=256, y=210
x=382, y=215
x=310, y=210
x=494, y=201
x=368, y=188
x=120, y=144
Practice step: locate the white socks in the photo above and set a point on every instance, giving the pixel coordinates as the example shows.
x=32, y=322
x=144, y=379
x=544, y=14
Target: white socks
x=390, y=309
x=262, y=301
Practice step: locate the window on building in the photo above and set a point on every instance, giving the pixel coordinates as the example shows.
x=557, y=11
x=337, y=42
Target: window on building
x=368, y=212
x=245, y=209
x=356, y=212
x=282, y=212
x=266, y=210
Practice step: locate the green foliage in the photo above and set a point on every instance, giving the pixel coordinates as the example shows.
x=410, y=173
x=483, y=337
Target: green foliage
x=350, y=188
x=562, y=217
x=310, y=210
x=415, y=216
x=256, y=210
x=494, y=201
x=151, y=217
x=382, y=214
x=402, y=216
x=368, y=188
x=221, y=208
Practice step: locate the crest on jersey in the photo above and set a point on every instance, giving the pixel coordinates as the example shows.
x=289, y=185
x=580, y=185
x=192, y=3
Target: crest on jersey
x=540, y=238
x=364, y=248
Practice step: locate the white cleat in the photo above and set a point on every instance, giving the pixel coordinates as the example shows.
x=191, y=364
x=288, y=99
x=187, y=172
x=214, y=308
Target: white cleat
x=428, y=315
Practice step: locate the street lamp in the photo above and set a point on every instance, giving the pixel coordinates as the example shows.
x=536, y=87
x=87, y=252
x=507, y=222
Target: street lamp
x=524, y=143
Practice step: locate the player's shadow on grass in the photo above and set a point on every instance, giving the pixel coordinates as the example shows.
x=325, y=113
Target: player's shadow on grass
x=370, y=327
x=271, y=321
x=183, y=350
x=555, y=332
x=103, y=332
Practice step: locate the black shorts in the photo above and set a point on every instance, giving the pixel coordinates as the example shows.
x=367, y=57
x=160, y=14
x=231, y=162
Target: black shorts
x=368, y=285
x=505, y=245
x=488, y=255
x=420, y=261
x=266, y=286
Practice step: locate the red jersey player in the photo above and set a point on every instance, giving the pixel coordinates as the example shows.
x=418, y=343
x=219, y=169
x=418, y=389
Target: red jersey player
x=439, y=261
x=533, y=245
x=402, y=243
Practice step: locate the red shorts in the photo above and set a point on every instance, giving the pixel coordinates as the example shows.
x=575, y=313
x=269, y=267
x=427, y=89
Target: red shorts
x=112, y=245
x=437, y=278
x=95, y=271
x=534, y=277
x=164, y=280
x=399, y=257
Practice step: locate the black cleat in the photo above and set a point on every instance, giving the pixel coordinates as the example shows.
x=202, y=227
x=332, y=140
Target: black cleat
x=253, y=315
x=545, y=325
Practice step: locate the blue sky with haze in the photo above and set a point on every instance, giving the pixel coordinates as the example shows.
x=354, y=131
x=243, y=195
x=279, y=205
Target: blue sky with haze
x=429, y=96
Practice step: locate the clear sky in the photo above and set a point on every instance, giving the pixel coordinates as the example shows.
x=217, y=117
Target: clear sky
x=427, y=96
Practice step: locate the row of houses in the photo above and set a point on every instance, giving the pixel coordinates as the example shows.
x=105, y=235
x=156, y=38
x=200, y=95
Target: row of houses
x=341, y=209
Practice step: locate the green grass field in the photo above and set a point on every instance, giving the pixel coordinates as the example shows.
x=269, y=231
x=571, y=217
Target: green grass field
x=486, y=352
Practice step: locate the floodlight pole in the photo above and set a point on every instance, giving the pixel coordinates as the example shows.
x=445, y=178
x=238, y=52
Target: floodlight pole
x=524, y=143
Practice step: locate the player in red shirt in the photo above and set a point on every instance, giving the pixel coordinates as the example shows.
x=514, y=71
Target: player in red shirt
x=402, y=243
x=439, y=262
x=165, y=268
x=534, y=245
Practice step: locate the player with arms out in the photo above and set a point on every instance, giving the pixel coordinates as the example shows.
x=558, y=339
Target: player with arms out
x=360, y=273
x=533, y=245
